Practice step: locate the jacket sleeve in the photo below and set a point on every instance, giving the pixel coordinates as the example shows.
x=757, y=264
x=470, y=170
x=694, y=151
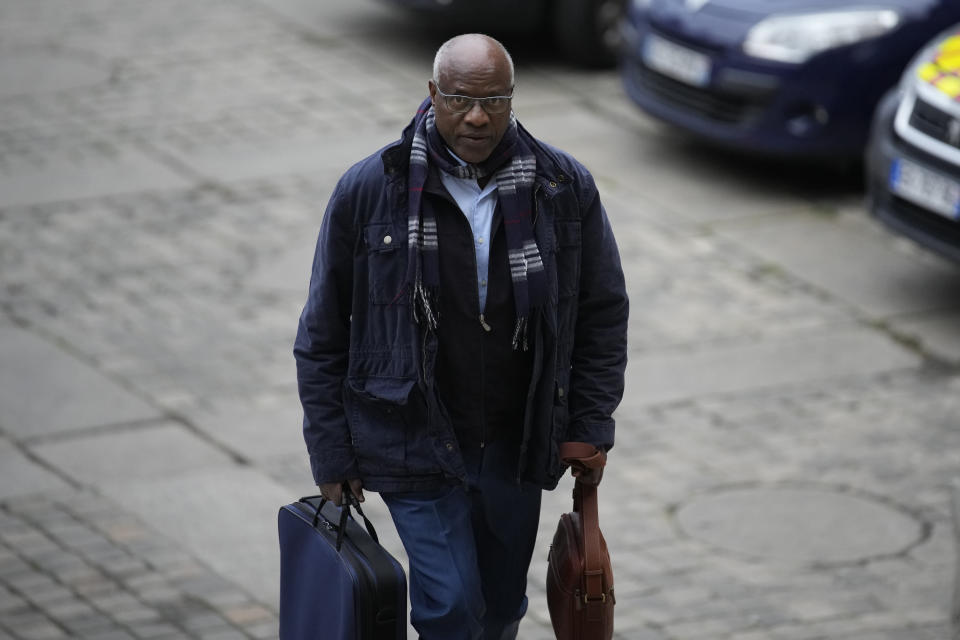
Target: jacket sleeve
x=600, y=342
x=322, y=345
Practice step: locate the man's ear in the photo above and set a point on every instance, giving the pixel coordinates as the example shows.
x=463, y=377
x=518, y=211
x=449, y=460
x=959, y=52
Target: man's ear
x=433, y=92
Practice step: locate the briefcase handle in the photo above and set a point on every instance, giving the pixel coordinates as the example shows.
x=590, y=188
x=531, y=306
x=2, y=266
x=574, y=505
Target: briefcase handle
x=351, y=500
x=581, y=457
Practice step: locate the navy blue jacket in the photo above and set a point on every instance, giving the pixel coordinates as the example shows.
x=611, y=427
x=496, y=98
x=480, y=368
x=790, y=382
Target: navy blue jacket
x=366, y=370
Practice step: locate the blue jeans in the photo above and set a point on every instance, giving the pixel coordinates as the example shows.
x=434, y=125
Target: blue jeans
x=469, y=549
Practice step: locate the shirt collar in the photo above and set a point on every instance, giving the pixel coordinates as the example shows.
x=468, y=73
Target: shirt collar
x=462, y=162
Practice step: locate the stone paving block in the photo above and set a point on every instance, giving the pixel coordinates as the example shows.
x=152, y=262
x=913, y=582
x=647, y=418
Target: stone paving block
x=224, y=634
x=263, y=630
x=28, y=581
x=881, y=281
x=63, y=612
x=42, y=631
x=49, y=596
x=247, y=613
x=10, y=602
x=670, y=377
x=104, y=607
x=133, y=454
x=158, y=596
x=112, y=634
x=533, y=631
x=239, y=159
x=123, y=566
x=29, y=365
x=47, y=71
x=202, y=620
x=904, y=633
x=135, y=615
x=59, y=180
x=23, y=476
x=154, y=631
x=25, y=618
x=667, y=166
x=114, y=601
x=211, y=499
x=290, y=271
x=637, y=633
x=335, y=22
x=800, y=526
x=934, y=332
x=259, y=429
x=706, y=628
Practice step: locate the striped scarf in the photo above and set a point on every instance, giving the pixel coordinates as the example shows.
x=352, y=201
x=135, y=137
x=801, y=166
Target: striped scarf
x=514, y=166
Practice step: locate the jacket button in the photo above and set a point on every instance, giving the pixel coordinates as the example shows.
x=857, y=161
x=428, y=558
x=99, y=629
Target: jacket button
x=449, y=446
x=553, y=184
x=387, y=239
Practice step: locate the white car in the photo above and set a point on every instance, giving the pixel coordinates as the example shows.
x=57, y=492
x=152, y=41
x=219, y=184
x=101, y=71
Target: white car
x=913, y=159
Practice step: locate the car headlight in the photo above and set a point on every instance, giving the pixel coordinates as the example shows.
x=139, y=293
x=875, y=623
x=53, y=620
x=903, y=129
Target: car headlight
x=796, y=38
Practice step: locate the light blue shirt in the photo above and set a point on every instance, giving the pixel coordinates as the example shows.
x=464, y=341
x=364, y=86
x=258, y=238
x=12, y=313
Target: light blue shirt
x=478, y=206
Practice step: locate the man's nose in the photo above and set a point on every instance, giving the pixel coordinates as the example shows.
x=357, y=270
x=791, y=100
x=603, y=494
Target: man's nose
x=476, y=116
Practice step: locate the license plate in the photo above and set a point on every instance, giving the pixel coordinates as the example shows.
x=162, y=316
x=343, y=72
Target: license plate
x=680, y=63
x=925, y=188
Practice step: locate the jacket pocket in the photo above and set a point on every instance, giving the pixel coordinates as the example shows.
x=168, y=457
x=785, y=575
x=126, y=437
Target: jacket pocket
x=388, y=427
x=568, y=257
x=386, y=263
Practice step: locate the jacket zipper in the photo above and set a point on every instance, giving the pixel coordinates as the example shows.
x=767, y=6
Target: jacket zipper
x=487, y=329
x=536, y=207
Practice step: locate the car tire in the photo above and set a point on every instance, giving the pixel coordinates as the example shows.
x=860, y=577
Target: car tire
x=588, y=31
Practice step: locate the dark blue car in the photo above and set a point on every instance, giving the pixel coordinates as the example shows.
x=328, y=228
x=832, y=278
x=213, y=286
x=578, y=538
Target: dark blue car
x=792, y=77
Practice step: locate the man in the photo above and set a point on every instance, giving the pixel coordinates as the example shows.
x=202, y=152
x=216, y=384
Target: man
x=467, y=312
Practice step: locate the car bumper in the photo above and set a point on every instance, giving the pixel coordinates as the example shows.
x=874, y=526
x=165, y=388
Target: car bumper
x=922, y=225
x=753, y=105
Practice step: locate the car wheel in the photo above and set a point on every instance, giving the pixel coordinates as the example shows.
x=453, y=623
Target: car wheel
x=588, y=31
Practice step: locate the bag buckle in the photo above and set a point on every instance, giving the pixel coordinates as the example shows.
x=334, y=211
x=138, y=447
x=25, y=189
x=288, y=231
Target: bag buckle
x=587, y=599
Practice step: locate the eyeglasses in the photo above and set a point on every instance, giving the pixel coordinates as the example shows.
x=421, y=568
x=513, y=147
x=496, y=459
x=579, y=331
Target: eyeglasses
x=462, y=104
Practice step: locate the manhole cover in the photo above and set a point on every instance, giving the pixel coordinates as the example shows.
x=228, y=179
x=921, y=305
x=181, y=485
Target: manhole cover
x=799, y=525
x=41, y=71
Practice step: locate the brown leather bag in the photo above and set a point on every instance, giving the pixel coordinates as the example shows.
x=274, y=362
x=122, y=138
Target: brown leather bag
x=579, y=575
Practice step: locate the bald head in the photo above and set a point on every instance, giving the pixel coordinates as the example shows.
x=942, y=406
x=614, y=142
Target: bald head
x=471, y=66
x=468, y=52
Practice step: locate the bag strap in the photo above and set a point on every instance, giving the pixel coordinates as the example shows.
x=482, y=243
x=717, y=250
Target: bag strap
x=582, y=456
x=350, y=500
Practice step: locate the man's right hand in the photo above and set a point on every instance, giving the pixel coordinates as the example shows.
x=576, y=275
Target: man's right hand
x=333, y=491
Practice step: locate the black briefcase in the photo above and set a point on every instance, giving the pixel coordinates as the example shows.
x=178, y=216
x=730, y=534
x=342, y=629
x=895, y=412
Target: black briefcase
x=336, y=581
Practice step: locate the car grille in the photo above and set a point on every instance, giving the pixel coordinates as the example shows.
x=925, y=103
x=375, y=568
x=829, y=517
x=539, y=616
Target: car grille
x=936, y=123
x=723, y=108
x=927, y=222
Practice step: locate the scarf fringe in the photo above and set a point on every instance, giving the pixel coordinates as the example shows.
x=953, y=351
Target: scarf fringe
x=423, y=306
x=520, y=335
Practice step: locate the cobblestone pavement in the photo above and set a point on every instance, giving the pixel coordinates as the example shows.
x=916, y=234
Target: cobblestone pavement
x=75, y=566
x=163, y=171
